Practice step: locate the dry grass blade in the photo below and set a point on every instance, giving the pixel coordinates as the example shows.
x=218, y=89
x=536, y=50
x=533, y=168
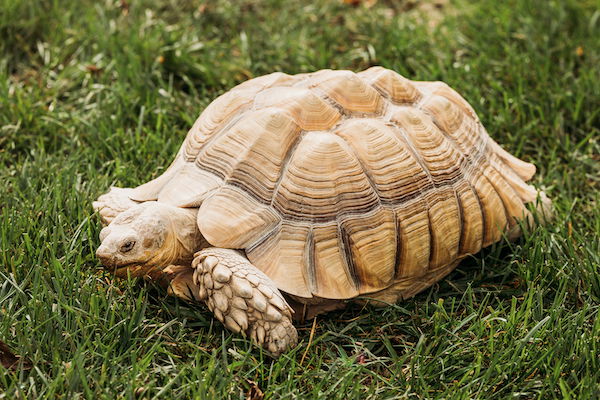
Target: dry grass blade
x=310, y=339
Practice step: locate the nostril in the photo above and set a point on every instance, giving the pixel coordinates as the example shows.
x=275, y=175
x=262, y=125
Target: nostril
x=102, y=253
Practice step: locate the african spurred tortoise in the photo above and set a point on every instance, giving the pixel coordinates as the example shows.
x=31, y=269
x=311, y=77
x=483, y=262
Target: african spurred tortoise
x=299, y=192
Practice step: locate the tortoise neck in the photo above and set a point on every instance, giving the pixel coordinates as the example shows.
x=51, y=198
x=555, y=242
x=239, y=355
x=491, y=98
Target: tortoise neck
x=186, y=233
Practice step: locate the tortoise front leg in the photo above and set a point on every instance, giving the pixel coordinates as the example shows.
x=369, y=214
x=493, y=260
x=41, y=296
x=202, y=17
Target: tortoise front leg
x=244, y=299
x=111, y=204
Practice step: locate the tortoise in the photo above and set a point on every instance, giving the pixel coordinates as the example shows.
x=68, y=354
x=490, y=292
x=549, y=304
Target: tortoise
x=293, y=194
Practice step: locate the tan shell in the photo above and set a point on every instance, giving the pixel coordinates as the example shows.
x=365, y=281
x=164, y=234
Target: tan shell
x=338, y=184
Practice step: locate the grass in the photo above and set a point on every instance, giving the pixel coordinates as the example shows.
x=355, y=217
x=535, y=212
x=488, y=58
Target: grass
x=100, y=93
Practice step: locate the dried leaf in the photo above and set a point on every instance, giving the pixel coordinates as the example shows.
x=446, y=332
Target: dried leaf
x=362, y=358
x=94, y=69
x=254, y=393
x=356, y=3
x=11, y=361
x=124, y=6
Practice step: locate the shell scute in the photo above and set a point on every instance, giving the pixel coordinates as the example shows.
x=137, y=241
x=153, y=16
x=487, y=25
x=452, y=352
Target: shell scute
x=442, y=89
x=252, y=153
x=385, y=157
x=349, y=91
x=414, y=238
x=233, y=219
x=465, y=132
x=369, y=242
x=267, y=81
x=281, y=254
x=309, y=111
x=323, y=180
x=333, y=277
x=392, y=85
x=216, y=117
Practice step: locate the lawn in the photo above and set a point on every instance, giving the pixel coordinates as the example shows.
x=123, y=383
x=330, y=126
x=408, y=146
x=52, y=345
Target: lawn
x=100, y=93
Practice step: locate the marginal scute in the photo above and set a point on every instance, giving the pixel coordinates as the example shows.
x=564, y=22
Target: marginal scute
x=524, y=170
x=526, y=193
x=281, y=255
x=414, y=238
x=493, y=210
x=471, y=219
x=333, y=277
x=371, y=251
x=445, y=227
x=513, y=202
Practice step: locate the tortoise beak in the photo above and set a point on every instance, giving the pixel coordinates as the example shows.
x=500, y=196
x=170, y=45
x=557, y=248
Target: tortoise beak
x=104, y=255
x=109, y=262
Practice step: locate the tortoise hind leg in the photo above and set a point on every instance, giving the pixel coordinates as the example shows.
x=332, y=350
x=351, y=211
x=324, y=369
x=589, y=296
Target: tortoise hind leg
x=111, y=204
x=179, y=281
x=244, y=299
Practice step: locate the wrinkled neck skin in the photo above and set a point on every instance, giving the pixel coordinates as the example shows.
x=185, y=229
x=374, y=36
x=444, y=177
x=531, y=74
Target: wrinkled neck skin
x=183, y=240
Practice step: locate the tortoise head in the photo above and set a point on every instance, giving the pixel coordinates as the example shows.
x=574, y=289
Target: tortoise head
x=149, y=236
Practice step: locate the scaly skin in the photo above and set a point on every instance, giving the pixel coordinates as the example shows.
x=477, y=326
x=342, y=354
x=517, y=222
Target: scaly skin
x=244, y=299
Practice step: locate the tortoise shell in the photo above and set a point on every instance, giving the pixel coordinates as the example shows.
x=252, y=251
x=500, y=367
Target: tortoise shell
x=338, y=184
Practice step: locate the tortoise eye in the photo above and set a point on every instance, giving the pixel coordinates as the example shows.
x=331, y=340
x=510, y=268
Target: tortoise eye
x=127, y=246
